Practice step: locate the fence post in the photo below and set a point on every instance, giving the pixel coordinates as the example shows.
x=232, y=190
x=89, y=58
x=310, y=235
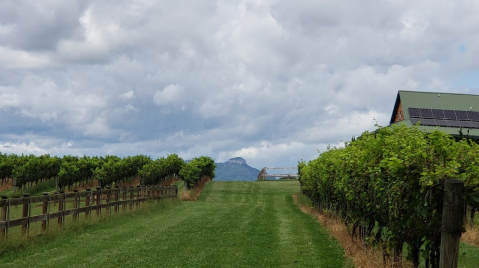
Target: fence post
x=87, y=202
x=108, y=195
x=61, y=205
x=76, y=200
x=124, y=197
x=45, y=211
x=452, y=223
x=26, y=208
x=3, y=217
x=132, y=197
x=138, y=196
x=117, y=190
x=98, y=200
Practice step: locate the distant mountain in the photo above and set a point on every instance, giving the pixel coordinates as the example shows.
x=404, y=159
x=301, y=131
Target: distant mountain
x=235, y=169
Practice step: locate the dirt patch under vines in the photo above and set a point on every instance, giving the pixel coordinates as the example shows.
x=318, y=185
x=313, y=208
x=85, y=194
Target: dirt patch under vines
x=6, y=185
x=192, y=195
x=471, y=236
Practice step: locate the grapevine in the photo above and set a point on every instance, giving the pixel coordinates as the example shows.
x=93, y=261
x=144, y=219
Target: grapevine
x=389, y=184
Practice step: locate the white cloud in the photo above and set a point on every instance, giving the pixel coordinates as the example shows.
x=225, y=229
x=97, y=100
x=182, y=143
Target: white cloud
x=101, y=37
x=267, y=154
x=18, y=59
x=21, y=148
x=8, y=98
x=131, y=108
x=169, y=95
x=99, y=127
x=415, y=24
x=46, y=99
x=127, y=95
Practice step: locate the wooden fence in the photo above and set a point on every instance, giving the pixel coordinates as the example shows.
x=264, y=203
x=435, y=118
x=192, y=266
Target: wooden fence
x=59, y=205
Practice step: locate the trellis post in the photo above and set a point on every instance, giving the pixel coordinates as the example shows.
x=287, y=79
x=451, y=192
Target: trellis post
x=452, y=223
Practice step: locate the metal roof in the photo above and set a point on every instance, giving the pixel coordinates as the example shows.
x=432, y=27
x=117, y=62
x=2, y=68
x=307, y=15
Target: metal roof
x=437, y=100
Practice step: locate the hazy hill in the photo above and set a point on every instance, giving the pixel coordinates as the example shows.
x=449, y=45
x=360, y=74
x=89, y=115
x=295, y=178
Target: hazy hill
x=235, y=169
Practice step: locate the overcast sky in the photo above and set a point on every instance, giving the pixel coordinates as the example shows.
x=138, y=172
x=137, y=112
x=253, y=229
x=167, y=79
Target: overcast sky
x=269, y=81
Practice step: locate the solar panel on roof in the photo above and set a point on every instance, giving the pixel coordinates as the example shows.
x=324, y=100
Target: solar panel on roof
x=453, y=123
x=414, y=112
x=450, y=114
x=437, y=114
x=473, y=115
x=465, y=124
x=428, y=122
x=444, y=118
x=415, y=120
x=461, y=115
x=442, y=123
x=426, y=113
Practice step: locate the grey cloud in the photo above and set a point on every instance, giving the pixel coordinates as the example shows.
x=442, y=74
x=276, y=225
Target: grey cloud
x=34, y=26
x=272, y=81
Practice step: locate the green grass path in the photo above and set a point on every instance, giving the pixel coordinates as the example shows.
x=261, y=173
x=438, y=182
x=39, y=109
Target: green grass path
x=233, y=224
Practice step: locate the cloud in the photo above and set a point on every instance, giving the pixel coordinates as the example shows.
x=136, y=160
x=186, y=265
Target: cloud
x=414, y=25
x=8, y=98
x=23, y=147
x=169, y=95
x=18, y=59
x=272, y=81
x=99, y=39
x=127, y=95
x=38, y=27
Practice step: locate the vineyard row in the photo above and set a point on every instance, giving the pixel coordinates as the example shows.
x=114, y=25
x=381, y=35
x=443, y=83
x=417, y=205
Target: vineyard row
x=388, y=187
x=27, y=170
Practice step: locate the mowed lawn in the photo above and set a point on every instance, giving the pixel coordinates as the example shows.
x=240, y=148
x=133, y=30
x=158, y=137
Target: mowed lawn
x=232, y=224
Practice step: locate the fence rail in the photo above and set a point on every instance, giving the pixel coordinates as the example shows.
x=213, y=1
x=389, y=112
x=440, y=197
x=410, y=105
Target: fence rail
x=60, y=205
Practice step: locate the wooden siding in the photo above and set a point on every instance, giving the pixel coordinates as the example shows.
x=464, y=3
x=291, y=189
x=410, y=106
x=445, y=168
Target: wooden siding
x=399, y=114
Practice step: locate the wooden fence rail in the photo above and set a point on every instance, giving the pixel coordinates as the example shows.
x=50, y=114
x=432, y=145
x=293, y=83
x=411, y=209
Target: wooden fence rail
x=99, y=200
